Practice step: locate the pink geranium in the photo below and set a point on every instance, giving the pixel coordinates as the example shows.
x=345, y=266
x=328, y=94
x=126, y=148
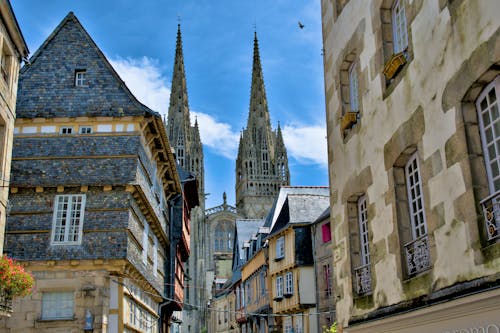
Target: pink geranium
x=14, y=280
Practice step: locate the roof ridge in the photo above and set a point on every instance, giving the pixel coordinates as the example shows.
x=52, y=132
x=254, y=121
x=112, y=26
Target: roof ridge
x=71, y=16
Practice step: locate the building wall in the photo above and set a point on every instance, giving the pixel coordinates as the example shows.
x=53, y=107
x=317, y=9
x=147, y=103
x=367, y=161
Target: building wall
x=11, y=56
x=323, y=258
x=426, y=109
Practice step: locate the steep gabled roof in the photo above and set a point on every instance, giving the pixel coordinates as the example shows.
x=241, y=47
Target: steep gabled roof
x=47, y=86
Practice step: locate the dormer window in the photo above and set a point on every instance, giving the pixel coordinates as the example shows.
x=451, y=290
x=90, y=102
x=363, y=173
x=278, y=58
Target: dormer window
x=85, y=130
x=80, y=78
x=66, y=130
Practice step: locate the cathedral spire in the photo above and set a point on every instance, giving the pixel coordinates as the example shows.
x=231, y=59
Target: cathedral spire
x=262, y=165
x=178, y=112
x=258, y=113
x=184, y=138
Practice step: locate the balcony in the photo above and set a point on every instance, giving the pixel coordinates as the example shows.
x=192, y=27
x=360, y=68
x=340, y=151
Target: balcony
x=5, y=304
x=491, y=212
x=363, y=279
x=418, y=258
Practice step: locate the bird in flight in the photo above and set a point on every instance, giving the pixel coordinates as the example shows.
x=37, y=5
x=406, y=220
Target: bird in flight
x=301, y=26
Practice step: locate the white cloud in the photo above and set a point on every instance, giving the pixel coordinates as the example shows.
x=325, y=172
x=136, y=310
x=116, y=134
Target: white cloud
x=143, y=77
x=218, y=136
x=306, y=144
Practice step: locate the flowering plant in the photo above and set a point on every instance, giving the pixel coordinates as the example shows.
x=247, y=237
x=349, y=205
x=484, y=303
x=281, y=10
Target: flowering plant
x=14, y=280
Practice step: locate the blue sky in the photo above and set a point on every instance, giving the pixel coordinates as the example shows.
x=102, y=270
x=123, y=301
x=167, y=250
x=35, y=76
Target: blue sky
x=139, y=40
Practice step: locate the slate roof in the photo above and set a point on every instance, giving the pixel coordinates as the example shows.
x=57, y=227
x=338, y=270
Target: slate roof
x=300, y=208
x=283, y=194
x=47, y=85
x=244, y=229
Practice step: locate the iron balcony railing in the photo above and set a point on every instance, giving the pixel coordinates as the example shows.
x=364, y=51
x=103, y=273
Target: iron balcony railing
x=491, y=212
x=363, y=278
x=418, y=257
x=5, y=304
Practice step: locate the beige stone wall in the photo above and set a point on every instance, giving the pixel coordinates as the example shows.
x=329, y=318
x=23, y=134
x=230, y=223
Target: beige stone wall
x=91, y=291
x=425, y=109
x=8, y=93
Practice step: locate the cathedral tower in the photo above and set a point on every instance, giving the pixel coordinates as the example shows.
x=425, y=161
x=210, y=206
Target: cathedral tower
x=262, y=163
x=184, y=138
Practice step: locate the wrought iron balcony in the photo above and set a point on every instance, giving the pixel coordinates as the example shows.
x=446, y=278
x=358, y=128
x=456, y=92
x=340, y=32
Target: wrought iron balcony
x=491, y=212
x=363, y=278
x=5, y=304
x=418, y=257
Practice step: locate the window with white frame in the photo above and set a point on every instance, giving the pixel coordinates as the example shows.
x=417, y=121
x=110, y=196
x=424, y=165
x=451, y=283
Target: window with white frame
x=145, y=243
x=280, y=247
x=57, y=305
x=287, y=325
x=279, y=286
x=363, y=231
x=353, y=88
x=68, y=217
x=299, y=324
x=399, y=27
x=80, y=75
x=415, y=197
x=489, y=122
x=289, y=283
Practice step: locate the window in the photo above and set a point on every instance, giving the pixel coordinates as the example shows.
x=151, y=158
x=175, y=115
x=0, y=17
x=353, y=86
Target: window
x=353, y=88
x=145, y=243
x=279, y=287
x=489, y=121
x=155, y=255
x=57, y=305
x=66, y=130
x=327, y=274
x=225, y=313
x=299, y=324
x=326, y=232
x=85, y=129
x=289, y=283
x=80, y=80
x=413, y=227
x=399, y=29
x=287, y=325
x=280, y=248
x=68, y=219
x=363, y=231
x=489, y=124
x=415, y=198
x=262, y=282
x=5, y=63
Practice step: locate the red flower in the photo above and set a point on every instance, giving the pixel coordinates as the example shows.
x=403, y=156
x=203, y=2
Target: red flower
x=14, y=280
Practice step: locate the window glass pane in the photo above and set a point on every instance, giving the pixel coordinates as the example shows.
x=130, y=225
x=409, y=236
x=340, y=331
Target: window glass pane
x=57, y=305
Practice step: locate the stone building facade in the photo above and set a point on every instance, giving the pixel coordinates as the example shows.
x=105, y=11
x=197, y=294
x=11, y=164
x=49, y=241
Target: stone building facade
x=92, y=181
x=13, y=49
x=411, y=96
x=322, y=245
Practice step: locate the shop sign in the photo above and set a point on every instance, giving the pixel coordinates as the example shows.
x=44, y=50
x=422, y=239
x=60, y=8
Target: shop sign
x=491, y=328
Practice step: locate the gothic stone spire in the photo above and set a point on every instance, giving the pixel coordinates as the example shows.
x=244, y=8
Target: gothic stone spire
x=259, y=172
x=184, y=138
